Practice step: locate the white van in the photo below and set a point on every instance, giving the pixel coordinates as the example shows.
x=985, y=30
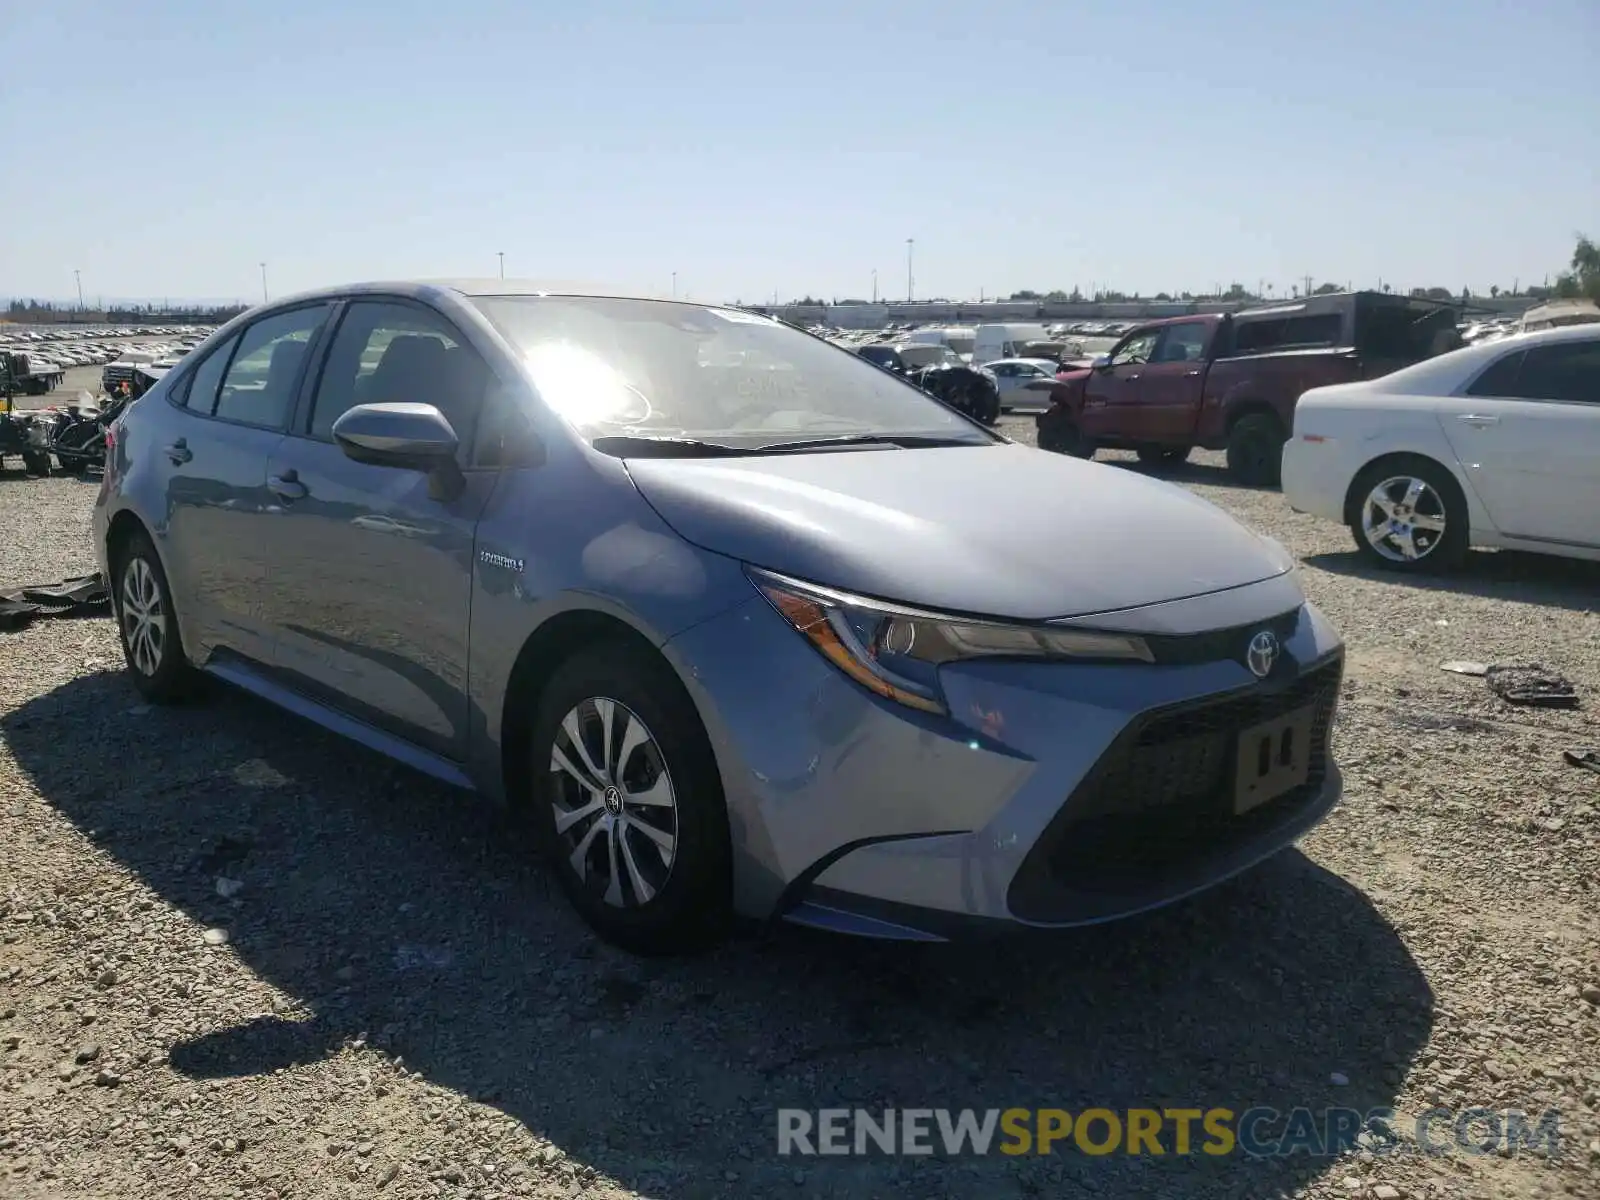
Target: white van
x=960, y=338
x=1003, y=341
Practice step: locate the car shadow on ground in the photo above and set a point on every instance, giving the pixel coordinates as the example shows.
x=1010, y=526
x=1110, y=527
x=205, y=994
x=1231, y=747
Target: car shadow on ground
x=390, y=906
x=1495, y=574
x=1203, y=474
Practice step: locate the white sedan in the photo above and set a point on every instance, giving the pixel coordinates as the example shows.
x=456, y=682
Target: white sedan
x=1024, y=383
x=1495, y=445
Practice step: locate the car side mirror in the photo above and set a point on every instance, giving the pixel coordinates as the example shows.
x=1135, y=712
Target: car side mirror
x=1102, y=362
x=411, y=437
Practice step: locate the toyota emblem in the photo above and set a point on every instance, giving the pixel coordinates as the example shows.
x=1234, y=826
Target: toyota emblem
x=1263, y=653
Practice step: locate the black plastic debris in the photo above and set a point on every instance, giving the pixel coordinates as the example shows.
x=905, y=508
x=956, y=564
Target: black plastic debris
x=1533, y=685
x=83, y=596
x=1589, y=760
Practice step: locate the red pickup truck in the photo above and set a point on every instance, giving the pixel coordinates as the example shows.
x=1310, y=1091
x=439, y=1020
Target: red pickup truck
x=1230, y=382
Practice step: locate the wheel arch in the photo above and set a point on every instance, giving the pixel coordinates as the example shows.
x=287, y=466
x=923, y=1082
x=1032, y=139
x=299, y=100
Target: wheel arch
x=549, y=645
x=1251, y=406
x=1396, y=459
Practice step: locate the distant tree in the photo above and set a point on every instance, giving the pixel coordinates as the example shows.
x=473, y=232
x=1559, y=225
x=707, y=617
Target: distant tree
x=1024, y=295
x=1494, y=291
x=1162, y=296
x=1236, y=292
x=1585, y=273
x=1327, y=289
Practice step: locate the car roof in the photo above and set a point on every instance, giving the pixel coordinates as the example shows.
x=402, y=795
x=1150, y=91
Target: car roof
x=422, y=288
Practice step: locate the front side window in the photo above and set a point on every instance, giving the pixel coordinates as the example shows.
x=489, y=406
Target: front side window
x=386, y=353
x=654, y=369
x=1565, y=371
x=1136, y=349
x=1501, y=377
x=1183, y=343
x=260, y=385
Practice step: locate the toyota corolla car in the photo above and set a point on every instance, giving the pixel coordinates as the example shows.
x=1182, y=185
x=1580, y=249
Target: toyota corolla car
x=709, y=601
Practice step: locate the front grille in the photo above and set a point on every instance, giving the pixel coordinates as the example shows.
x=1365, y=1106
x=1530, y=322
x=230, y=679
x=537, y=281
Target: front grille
x=1158, y=805
x=1219, y=645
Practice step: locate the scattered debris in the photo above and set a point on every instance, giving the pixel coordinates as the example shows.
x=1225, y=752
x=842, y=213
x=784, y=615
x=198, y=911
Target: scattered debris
x=1532, y=684
x=84, y=595
x=1589, y=760
x=1465, y=668
x=215, y=937
x=228, y=888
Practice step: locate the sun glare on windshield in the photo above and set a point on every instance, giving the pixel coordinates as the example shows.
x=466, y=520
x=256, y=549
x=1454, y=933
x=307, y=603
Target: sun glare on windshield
x=583, y=387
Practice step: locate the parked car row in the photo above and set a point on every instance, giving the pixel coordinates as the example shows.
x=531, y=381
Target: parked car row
x=56, y=350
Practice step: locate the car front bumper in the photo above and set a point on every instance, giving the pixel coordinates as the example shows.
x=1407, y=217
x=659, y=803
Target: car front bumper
x=1052, y=795
x=1316, y=477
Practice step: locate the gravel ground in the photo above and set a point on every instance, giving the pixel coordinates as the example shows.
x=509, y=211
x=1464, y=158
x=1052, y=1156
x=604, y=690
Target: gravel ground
x=242, y=958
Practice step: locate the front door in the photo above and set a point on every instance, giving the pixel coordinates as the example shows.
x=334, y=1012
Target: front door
x=372, y=566
x=1113, y=388
x=1171, y=384
x=1528, y=433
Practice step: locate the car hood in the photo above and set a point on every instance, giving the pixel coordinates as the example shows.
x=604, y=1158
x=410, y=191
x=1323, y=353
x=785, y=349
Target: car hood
x=1000, y=530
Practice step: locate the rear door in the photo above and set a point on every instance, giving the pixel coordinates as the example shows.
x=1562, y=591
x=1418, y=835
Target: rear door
x=232, y=411
x=1527, y=430
x=372, y=571
x=1110, y=392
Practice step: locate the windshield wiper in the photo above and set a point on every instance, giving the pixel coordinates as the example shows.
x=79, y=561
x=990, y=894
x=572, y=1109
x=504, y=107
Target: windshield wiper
x=624, y=446
x=909, y=441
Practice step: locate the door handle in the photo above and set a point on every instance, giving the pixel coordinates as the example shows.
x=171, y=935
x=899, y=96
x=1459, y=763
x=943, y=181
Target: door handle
x=179, y=451
x=1478, y=420
x=1131, y=378
x=1190, y=374
x=286, y=486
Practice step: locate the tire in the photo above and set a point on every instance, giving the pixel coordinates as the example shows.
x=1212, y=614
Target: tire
x=1255, y=450
x=665, y=897
x=1165, y=456
x=36, y=463
x=147, y=624
x=1437, y=498
x=1059, y=435
x=988, y=406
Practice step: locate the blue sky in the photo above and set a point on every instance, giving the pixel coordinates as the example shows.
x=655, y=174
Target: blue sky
x=1145, y=144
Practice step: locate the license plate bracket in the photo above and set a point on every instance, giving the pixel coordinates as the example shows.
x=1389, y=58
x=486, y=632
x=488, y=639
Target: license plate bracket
x=1273, y=757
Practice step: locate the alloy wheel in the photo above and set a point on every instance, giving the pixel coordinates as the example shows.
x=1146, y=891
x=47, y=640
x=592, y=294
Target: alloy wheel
x=615, y=809
x=1403, y=518
x=144, y=617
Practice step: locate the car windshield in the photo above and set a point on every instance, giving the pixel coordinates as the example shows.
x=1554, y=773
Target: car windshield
x=658, y=369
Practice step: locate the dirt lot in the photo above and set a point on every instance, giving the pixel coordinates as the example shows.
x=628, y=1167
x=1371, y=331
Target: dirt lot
x=398, y=1003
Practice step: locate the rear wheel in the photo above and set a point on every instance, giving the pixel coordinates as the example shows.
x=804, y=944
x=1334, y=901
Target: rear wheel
x=147, y=623
x=1255, y=450
x=37, y=463
x=629, y=803
x=1409, y=515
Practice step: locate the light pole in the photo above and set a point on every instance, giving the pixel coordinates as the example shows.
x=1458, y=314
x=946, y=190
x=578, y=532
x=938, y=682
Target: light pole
x=502, y=255
x=874, y=285
x=674, y=285
x=911, y=244
x=78, y=275
x=263, y=283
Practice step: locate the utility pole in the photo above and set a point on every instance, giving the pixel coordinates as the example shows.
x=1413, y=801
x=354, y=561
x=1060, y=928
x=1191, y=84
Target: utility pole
x=263, y=283
x=911, y=244
x=874, y=285
x=674, y=285
x=502, y=255
x=78, y=275
x=1307, y=292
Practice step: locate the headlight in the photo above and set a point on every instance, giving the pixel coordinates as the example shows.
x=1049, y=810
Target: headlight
x=896, y=652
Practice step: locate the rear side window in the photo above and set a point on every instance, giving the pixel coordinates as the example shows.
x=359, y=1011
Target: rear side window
x=198, y=392
x=1566, y=371
x=260, y=385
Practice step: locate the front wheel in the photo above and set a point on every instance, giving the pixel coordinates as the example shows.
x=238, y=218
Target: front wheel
x=1409, y=515
x=1059, y=434
x=1255, y=450
x=628, y=800
x=147, y=624
x=36, y=462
